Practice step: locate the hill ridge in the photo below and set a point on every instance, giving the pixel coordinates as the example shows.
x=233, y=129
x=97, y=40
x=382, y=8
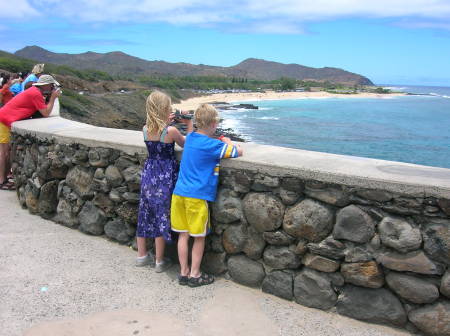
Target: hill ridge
x=120, y=63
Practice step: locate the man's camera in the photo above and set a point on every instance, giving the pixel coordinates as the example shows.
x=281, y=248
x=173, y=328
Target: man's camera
x=179, y=115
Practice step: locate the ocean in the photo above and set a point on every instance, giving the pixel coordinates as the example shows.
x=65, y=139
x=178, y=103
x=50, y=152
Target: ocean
x=413, y=128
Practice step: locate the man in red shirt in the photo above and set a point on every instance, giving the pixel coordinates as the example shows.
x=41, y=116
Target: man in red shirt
x=22, y=107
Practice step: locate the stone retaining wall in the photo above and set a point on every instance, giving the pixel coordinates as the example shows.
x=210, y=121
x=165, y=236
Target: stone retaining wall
x=372, y=254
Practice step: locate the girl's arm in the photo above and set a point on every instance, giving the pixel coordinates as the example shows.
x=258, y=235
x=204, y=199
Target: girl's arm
x=175, y=134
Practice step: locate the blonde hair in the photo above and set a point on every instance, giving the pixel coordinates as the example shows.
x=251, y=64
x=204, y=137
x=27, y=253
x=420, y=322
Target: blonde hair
x=206, y=115
x=38, y=68
x=158, y=107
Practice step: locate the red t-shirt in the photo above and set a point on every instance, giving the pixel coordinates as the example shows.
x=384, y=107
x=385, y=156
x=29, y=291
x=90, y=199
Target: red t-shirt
x=6, y=94
x=22, y=106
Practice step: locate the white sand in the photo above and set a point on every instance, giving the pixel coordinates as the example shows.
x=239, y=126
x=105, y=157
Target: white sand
x=192, y=103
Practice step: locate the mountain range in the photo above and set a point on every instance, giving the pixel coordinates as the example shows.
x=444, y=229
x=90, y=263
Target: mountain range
x=119, y=63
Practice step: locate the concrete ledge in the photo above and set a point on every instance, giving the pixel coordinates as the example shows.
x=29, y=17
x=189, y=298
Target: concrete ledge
x=409, y=179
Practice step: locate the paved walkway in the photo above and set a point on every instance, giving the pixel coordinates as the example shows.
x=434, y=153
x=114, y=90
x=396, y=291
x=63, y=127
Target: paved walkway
x=58, y=281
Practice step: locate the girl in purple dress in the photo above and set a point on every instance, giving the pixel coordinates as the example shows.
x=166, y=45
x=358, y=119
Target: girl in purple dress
x=159, y=176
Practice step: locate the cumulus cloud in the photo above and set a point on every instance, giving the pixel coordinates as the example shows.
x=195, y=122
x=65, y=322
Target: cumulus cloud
x=274, y=16
x=17, y=9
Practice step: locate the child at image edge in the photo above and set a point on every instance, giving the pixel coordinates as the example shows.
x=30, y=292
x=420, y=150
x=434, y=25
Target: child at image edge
x=159, y=175
x=196, y=185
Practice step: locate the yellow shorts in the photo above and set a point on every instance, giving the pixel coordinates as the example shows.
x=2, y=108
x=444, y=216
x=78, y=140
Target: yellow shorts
x=190, y=215
x=5, y=134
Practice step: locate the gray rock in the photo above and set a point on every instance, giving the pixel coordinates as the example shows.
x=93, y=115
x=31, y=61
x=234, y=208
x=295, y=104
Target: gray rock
x=416, y=262
x=227, y=209
x=117, y=230
x=57, y=169
x=99, y=157
x=278, y=238
x=308, y=219
x=375, y=195
x=113, y=176
x=246, y=271
x=214, y=263
x=280, y=257
x=104, y=202
x=371, y=305
x=331, y=195
x=131, y=197
x=132, y=176
x=301, y=247
x=353, y=224
x=123, y=162
x=263, y=211
x=432, y=319
x=234, y=239
x=288, y=197
x=32, y=197
x=241, y=181
x=336, y=279
x=412, y=288
x=128, y=212
x=114, y=196
x=255, y=244
x=313, y=289
x=265, y=183
x=399, y=234
x=48, y=200
x=320, y=263
x=99, y=173
x=280, y=284
x=292, y=184
x=365, y=274
x=92, y=219
x=65, y=215
x=357, y=254
x=100, y=185
x=444, y=204
x=80, y=180
x=216, y=243
x=437, y=240
x=445, y=284
x=80, y=157
x=329, y=247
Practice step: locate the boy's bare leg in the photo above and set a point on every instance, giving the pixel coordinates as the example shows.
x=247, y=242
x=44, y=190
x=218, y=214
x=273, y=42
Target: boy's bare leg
x=4, y=162
x=160, y=245
x=197, y=255
x=141, y=246
x=183, y=253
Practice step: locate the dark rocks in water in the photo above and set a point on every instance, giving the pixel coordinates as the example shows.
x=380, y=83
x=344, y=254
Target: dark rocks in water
x=228, y=106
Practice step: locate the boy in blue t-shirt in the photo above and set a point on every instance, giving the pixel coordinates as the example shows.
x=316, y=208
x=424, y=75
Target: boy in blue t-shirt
x=196, y=185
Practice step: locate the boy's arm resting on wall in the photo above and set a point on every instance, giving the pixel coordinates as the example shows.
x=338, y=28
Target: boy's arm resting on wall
x=231, y=150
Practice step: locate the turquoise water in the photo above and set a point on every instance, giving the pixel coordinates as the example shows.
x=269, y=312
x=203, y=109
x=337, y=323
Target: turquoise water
x=413, y=129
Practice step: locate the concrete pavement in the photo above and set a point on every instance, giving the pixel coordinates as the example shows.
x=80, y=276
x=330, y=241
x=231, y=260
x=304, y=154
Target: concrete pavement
x=58, y=281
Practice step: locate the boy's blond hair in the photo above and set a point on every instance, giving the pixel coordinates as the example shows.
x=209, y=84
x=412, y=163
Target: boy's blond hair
x=158, y=107
x=206, y=115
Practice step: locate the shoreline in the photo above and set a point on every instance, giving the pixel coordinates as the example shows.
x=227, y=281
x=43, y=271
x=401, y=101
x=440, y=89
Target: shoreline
x=193, y=103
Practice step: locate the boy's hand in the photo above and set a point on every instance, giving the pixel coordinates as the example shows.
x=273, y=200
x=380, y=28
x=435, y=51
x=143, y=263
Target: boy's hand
x=225, y=140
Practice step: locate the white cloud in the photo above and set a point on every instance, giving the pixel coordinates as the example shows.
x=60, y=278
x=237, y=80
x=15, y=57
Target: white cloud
x=17, y=9
x=270, y=16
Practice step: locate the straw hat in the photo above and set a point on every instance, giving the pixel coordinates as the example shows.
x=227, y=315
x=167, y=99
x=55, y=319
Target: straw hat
x=46, y=79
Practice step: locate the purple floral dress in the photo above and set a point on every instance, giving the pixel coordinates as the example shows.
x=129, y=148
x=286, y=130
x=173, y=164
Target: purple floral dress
x=159, y=176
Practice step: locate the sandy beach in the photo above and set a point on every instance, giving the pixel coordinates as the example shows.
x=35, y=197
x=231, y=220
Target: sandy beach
x=192, y=103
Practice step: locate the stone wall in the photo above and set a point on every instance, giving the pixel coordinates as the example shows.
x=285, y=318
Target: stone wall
x=377, y=255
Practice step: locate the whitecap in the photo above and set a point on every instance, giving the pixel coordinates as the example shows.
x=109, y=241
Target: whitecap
x=268, y=118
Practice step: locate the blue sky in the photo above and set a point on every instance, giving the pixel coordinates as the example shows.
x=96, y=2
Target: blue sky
x=391, y=42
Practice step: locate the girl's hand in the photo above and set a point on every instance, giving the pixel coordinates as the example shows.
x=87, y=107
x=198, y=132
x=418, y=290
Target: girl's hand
x=172, y=117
